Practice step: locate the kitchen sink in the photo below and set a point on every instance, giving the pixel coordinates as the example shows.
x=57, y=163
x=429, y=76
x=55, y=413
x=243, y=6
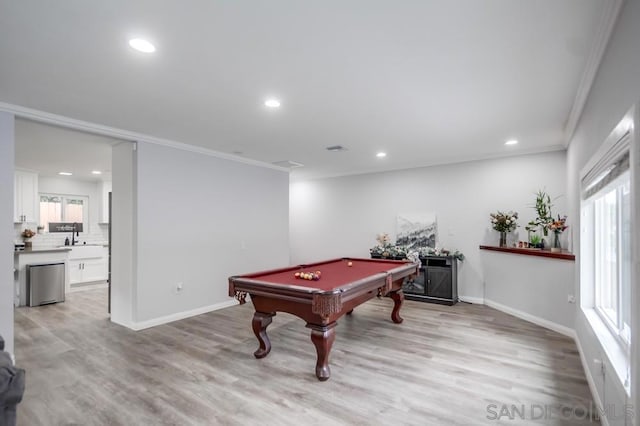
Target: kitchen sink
x=85, y=251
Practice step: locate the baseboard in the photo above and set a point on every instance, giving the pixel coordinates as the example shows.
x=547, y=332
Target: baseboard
x=125, y=324
x=592, y=384
x=86, y=287
x=470, y=299
x=532, y=318
x=180, y=315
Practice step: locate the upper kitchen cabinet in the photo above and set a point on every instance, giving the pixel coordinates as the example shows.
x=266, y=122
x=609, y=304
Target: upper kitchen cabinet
x=104, y=188
x=25, y=198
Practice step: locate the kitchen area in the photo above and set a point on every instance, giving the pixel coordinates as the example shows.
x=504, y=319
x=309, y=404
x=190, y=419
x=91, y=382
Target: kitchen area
x=61, y=213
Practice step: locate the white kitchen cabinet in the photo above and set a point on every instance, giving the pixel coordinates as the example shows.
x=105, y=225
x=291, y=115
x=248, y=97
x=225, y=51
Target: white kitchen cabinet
x=75, y=271
x=104, y=190
x=25, y=197
x=87, y=264
x=94, y=270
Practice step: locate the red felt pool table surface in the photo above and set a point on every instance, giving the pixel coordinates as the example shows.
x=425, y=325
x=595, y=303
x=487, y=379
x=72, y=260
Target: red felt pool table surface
x=335, y=273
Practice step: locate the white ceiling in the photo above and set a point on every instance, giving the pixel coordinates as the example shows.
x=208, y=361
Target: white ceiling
x=50, y=150
x=429, y=82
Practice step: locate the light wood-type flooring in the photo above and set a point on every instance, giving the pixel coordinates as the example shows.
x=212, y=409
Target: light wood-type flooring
x=460, y=365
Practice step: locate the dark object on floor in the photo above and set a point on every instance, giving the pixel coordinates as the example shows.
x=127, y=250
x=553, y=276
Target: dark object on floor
x=11, y=387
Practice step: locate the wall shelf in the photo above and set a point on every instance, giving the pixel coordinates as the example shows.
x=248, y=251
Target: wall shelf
x=563, y=255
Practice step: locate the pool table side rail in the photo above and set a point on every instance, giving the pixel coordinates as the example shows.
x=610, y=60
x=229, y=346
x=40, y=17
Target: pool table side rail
x=248, y=280
x=322, y=302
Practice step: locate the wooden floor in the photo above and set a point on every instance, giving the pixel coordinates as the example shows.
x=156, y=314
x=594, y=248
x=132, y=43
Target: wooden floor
x=460, y=365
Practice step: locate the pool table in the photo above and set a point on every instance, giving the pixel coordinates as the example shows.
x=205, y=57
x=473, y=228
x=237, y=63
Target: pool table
x=343, y=284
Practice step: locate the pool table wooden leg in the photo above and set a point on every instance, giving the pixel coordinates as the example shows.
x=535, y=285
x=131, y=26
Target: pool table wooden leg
x=260, y=323
x=398, y=298
x=322, y=338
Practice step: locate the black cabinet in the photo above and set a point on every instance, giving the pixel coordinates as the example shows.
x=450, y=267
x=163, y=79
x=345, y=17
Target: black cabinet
x=437, y=281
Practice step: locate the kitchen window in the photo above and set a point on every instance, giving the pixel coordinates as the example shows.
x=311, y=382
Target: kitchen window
x=63, y=208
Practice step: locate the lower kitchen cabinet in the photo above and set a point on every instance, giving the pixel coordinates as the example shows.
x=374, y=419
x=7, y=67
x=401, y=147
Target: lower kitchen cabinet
x=89, y=269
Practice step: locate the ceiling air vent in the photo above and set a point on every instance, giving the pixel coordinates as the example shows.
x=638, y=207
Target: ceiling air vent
x=336, y=148
x=288, y=164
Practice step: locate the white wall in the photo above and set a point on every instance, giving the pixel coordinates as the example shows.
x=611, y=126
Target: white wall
x=123, y=238
x=616, y=89
x=342, y=216
x=531, y=287
x=201, y=219
x=7, y=147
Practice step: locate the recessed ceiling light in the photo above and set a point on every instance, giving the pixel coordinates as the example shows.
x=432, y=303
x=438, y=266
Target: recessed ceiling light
x=96, y=172
x=511, y=142
x=381, y=154
x=65, y=173
x=142, y=45
x=272, y=103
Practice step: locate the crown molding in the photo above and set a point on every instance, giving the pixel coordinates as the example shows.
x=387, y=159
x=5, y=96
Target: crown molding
x=125, y=135
x=605, y=29
x=296, y=177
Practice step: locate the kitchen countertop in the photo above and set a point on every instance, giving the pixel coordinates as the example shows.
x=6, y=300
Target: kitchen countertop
x=42, y=250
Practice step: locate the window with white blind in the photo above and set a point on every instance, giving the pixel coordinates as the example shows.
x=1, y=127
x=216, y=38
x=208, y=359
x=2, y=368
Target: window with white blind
x=612, y=255
x=606, y=239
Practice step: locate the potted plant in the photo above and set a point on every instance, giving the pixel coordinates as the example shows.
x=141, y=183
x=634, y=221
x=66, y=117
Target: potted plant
x=26, y=235
x=546, y=221
x=542, y=207
x=535, y=241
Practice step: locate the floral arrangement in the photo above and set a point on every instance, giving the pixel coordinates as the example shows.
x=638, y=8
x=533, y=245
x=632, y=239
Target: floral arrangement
x=430, y=251
x=383, y=239
x=504, y=222
x=558, y=225
x=387, y=249
x=27, y=233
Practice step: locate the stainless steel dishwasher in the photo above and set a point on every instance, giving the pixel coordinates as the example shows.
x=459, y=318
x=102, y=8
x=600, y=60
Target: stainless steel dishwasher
x=46, y=283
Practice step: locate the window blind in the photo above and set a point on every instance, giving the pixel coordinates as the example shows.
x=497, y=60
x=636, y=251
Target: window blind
x=612, y=164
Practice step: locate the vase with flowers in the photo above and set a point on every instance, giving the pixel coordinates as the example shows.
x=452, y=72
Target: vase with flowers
x=26, y=235
x=557, y=226
x=504, y=223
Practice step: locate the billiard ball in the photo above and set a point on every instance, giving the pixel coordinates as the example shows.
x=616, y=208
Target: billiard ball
x=297, y=275
x=349, y=263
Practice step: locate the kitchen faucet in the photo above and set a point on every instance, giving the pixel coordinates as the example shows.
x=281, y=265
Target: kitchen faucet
x=73, y=240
